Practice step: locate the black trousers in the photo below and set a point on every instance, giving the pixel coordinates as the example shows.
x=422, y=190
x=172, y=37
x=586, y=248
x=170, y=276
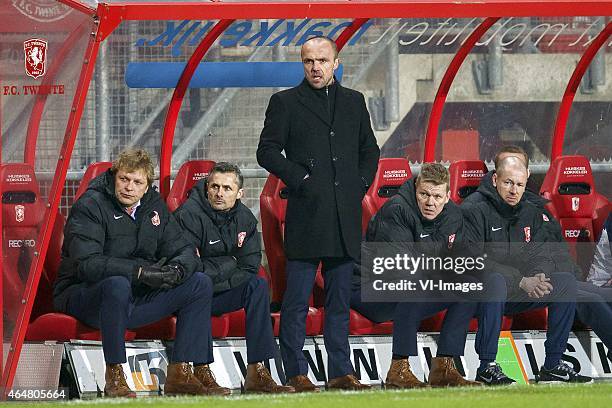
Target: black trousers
x=254, y=297
x=110, y=306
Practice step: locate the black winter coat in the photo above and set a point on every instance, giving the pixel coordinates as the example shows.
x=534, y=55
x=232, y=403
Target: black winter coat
x=551, y=229
x=399, y=220
x=102, y=240
x=340, y=156
x=512, y=237
x=227, y=241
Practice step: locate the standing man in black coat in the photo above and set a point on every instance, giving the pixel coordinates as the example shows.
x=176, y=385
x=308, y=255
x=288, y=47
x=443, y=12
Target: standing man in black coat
x=330, y=160
x=126, y=264
x=225, y=233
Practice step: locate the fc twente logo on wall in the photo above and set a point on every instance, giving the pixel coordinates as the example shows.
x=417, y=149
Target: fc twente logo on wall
x=35, y=57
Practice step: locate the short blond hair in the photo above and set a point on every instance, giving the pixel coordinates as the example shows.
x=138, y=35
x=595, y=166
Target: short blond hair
x=434, y=173
x=130, y=160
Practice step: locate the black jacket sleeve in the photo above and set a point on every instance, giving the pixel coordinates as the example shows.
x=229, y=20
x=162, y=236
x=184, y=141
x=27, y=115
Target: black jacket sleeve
x=537, y=255
x=474, y=229
x=272, y=142
x=369, y=152
x=86, y=235
x=178, y=249
x=392, y=224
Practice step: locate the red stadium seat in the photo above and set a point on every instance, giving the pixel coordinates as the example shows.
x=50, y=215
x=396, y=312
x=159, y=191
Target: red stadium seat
x=22, y=213
x=360, y=325
x=273, y=206
x=44, y=294
x=465, y=176
x=581, y=211
x=93, y=171
x=188, y=175
x=391, y=174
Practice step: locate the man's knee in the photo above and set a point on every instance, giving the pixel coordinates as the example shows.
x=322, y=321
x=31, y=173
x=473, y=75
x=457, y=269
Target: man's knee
x=564, y=282
x=202, y=284
x=116, y=289
x=495, y=288
x=259, y=285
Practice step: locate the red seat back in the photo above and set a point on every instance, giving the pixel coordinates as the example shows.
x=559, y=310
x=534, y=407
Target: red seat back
x=465, y=177
x=93, y=171
x=581, y=211
x=22, y=213
x=273, y=206
x=188, y=175
x=391, y=174
x=44, y=294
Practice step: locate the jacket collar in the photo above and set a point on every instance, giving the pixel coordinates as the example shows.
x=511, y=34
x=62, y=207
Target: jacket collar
x=198, y=194
x=312, y=103
x=487, y=189
x=105, y=184
x=408, y=192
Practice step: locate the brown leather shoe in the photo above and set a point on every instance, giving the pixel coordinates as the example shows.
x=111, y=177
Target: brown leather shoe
x=207, y=378
x=400, y=376
x=346, y=382
x=444, y=374
x=115, y=384
x=182, y=381
x=302, y=383
x=258, y=379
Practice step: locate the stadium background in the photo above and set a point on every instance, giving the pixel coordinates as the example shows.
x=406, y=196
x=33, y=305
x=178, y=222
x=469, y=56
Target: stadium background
x=503, y=94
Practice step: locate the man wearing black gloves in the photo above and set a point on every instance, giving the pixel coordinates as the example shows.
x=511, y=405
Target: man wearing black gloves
x=509, y=230
x=420, y=219
x=126, y=264
x=225, y=232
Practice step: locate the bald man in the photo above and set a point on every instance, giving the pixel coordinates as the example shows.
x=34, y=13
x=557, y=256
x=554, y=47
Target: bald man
x=509, y=231
x=330, y=158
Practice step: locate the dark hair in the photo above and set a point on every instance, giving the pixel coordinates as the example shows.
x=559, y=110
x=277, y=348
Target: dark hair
x=329, y=40
x=225, y=167
x=512, y=149
x=434, y=173
x=134, y=159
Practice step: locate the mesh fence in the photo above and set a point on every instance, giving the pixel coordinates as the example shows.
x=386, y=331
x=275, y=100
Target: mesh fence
x=224, y=124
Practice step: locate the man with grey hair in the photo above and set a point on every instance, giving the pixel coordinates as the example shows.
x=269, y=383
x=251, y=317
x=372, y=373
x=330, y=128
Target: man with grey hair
x=509, y=230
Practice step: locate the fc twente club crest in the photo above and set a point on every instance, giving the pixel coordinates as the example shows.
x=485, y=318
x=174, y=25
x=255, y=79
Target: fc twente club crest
x=241, y=237
x=155, y=219
x=35, y=57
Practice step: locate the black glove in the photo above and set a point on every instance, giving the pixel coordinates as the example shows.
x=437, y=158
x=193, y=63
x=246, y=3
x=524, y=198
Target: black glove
x=157, y=276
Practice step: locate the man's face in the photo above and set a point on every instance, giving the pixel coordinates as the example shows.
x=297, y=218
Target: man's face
x=223, y=191
x=510, y=184
x=319, y=62
x=130, y=186
x=431, y=198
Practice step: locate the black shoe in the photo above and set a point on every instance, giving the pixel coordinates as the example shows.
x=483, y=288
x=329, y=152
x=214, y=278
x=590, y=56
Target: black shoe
x=493, y=375
x=561, y=373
